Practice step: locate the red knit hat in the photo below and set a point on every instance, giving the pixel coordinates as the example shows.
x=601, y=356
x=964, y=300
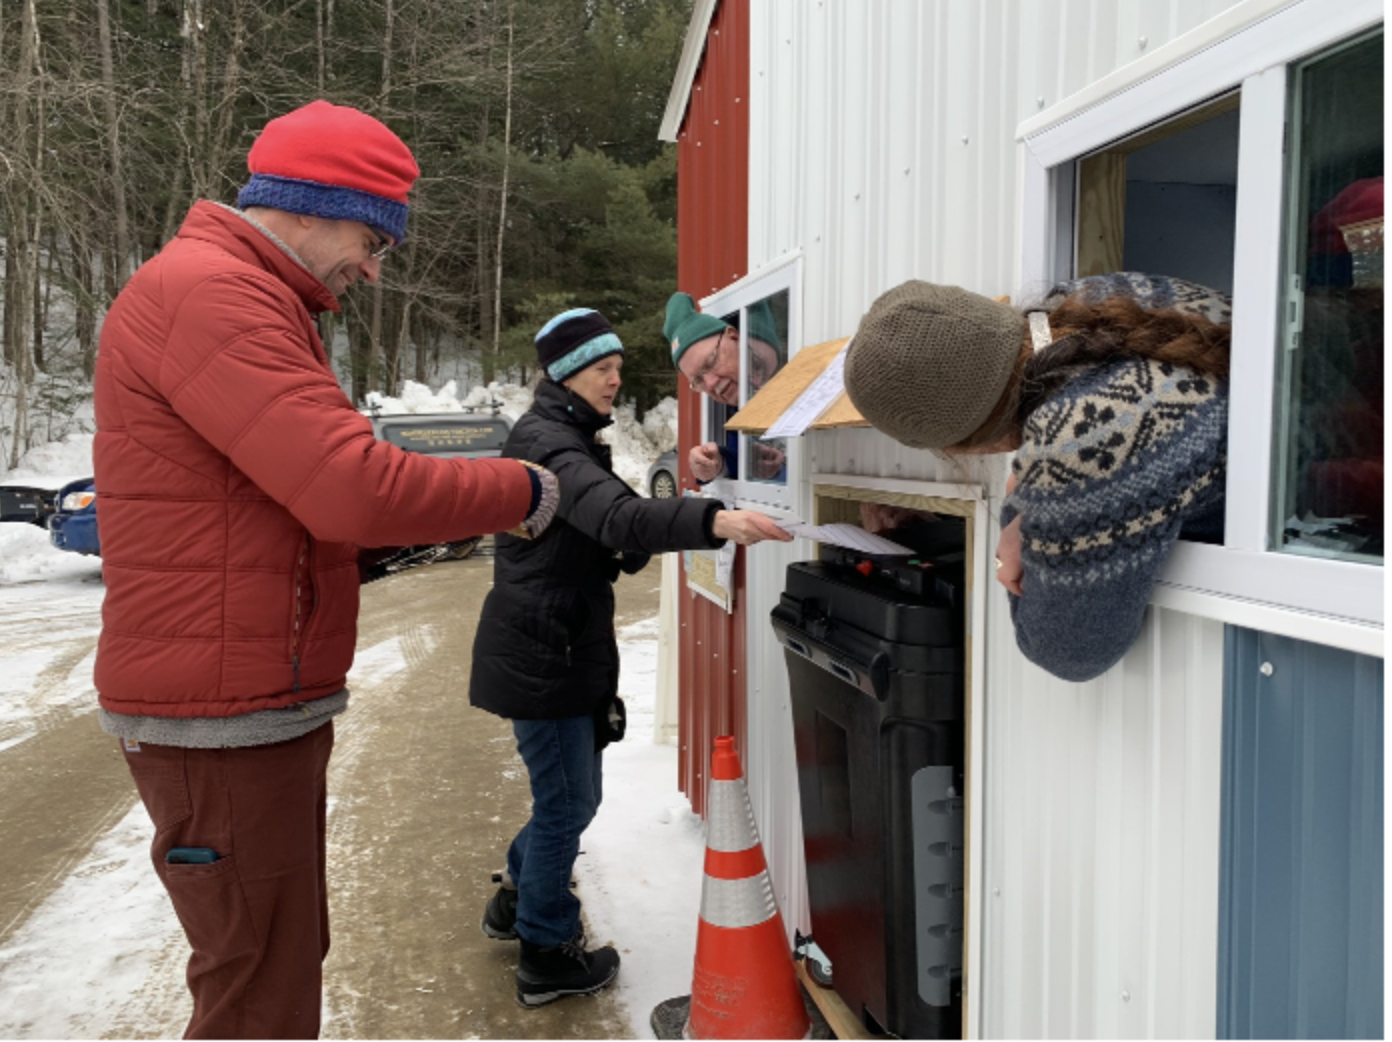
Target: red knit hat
x=1359, y=201
x=335, y=162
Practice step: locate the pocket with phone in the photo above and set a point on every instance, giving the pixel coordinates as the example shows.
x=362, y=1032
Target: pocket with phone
x=191, y=856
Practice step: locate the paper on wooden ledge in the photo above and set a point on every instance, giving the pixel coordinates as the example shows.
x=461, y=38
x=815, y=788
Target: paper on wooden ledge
x=809, y=406
x=776, y=396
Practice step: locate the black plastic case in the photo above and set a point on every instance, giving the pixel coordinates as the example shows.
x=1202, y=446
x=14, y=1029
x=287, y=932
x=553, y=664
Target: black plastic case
x=875, y=668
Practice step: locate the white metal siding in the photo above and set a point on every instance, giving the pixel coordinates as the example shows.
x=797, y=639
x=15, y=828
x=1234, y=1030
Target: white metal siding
x=859, y=111
x=882, y=145
x=772, y=764
x=1102, y=829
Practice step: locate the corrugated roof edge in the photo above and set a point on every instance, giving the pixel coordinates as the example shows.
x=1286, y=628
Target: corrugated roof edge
x=692, y=51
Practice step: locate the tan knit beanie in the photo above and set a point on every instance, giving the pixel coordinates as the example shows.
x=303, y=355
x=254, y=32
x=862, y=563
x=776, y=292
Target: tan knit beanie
x=929, y=363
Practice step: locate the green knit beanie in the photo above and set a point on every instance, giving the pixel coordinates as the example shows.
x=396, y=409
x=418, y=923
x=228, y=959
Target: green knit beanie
x=929, y=363
x=759, y=318
x=685, y=325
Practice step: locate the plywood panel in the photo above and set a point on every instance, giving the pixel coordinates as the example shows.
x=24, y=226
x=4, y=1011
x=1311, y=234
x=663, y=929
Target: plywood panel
x=764, y=409
x=1101, y=213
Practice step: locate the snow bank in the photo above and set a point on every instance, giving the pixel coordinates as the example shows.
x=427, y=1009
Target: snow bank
x=54, y=464
x=418, y=398
x=636, y=444
x=26, y=555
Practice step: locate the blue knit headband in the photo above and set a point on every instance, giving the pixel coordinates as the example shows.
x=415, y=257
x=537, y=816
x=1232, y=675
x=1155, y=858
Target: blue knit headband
x=586, y=354
x=333, y=202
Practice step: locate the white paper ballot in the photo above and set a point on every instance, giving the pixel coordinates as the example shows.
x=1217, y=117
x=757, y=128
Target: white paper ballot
x=849, y=536
x=814, y=401
x=724, y=564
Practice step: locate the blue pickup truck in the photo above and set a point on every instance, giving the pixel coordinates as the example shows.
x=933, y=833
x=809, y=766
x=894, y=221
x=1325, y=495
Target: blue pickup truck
x=70, y=513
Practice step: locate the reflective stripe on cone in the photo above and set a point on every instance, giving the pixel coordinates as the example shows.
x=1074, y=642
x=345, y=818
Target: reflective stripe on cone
x=744, y=985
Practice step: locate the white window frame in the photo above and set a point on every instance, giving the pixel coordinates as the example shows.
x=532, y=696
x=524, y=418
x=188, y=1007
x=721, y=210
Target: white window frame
x=785, y=273
x=1250, y=47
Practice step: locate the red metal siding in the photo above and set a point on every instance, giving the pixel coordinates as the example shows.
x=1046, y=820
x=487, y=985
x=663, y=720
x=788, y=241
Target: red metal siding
x=712, y=251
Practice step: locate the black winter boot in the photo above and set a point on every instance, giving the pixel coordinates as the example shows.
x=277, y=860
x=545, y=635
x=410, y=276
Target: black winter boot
x=547, y=974
x=500, y=914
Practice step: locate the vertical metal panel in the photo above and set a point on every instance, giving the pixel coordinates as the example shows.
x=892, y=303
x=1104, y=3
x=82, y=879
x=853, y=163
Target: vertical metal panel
x=1301, y=937
x=1102, y=838
x=772, y=761
x=712, y=209
x=859, y=113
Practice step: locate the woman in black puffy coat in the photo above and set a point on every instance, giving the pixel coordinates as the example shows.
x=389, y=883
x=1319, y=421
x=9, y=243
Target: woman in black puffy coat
x=545, y=655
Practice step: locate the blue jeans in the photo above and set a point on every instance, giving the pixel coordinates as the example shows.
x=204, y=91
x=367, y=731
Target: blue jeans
x=565, y=774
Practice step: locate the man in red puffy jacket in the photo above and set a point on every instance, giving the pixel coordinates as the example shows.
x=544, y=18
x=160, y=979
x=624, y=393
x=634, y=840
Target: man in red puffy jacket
x=238, y=488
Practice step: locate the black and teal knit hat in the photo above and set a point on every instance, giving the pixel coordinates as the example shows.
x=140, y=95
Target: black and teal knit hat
x=685, y=325
x=573, y=340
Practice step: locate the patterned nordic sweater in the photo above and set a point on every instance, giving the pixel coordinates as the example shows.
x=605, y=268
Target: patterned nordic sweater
x=1110, y=471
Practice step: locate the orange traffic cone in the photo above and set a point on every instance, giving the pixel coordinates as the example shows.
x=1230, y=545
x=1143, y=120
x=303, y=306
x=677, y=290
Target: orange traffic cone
x=744, y=985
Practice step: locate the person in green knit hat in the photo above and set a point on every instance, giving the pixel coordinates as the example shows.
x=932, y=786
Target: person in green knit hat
x=705, y=350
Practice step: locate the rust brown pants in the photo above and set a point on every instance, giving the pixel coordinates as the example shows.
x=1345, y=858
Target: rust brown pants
x=258, y=917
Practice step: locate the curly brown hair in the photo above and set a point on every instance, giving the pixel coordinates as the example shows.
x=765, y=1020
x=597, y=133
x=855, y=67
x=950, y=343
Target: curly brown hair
x=1088, y=335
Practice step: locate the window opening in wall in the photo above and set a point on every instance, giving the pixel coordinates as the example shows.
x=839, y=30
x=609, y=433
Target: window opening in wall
x=1164, y=201
x=765, y=325
x=716, y=414
x=763, y=329
x=1328, y=460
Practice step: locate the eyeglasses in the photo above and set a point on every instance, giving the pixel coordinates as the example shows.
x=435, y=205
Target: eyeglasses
x=698, y=378
x=382, y=245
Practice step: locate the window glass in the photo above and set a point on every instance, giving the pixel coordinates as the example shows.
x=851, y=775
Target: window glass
x=765, y=325
x=717, y=413
x=1164, y=200
x=1328, y=484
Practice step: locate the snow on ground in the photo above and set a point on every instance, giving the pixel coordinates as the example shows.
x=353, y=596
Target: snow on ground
x=104, y=955
x=45, y=665
x=643, y=856
x=25, y=555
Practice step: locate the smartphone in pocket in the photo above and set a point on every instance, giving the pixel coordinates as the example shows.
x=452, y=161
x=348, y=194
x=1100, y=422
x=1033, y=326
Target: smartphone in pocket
x=191, y=856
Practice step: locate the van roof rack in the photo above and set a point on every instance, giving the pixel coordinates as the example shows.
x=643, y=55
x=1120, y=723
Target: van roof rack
x=493, y=407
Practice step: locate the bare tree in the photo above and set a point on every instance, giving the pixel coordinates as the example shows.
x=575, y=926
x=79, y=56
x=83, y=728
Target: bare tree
x=24, y=209
x=113, y=144
x=503, y=192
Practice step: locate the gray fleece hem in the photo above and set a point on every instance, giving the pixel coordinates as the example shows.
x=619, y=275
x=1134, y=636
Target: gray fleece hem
x=265, y=727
